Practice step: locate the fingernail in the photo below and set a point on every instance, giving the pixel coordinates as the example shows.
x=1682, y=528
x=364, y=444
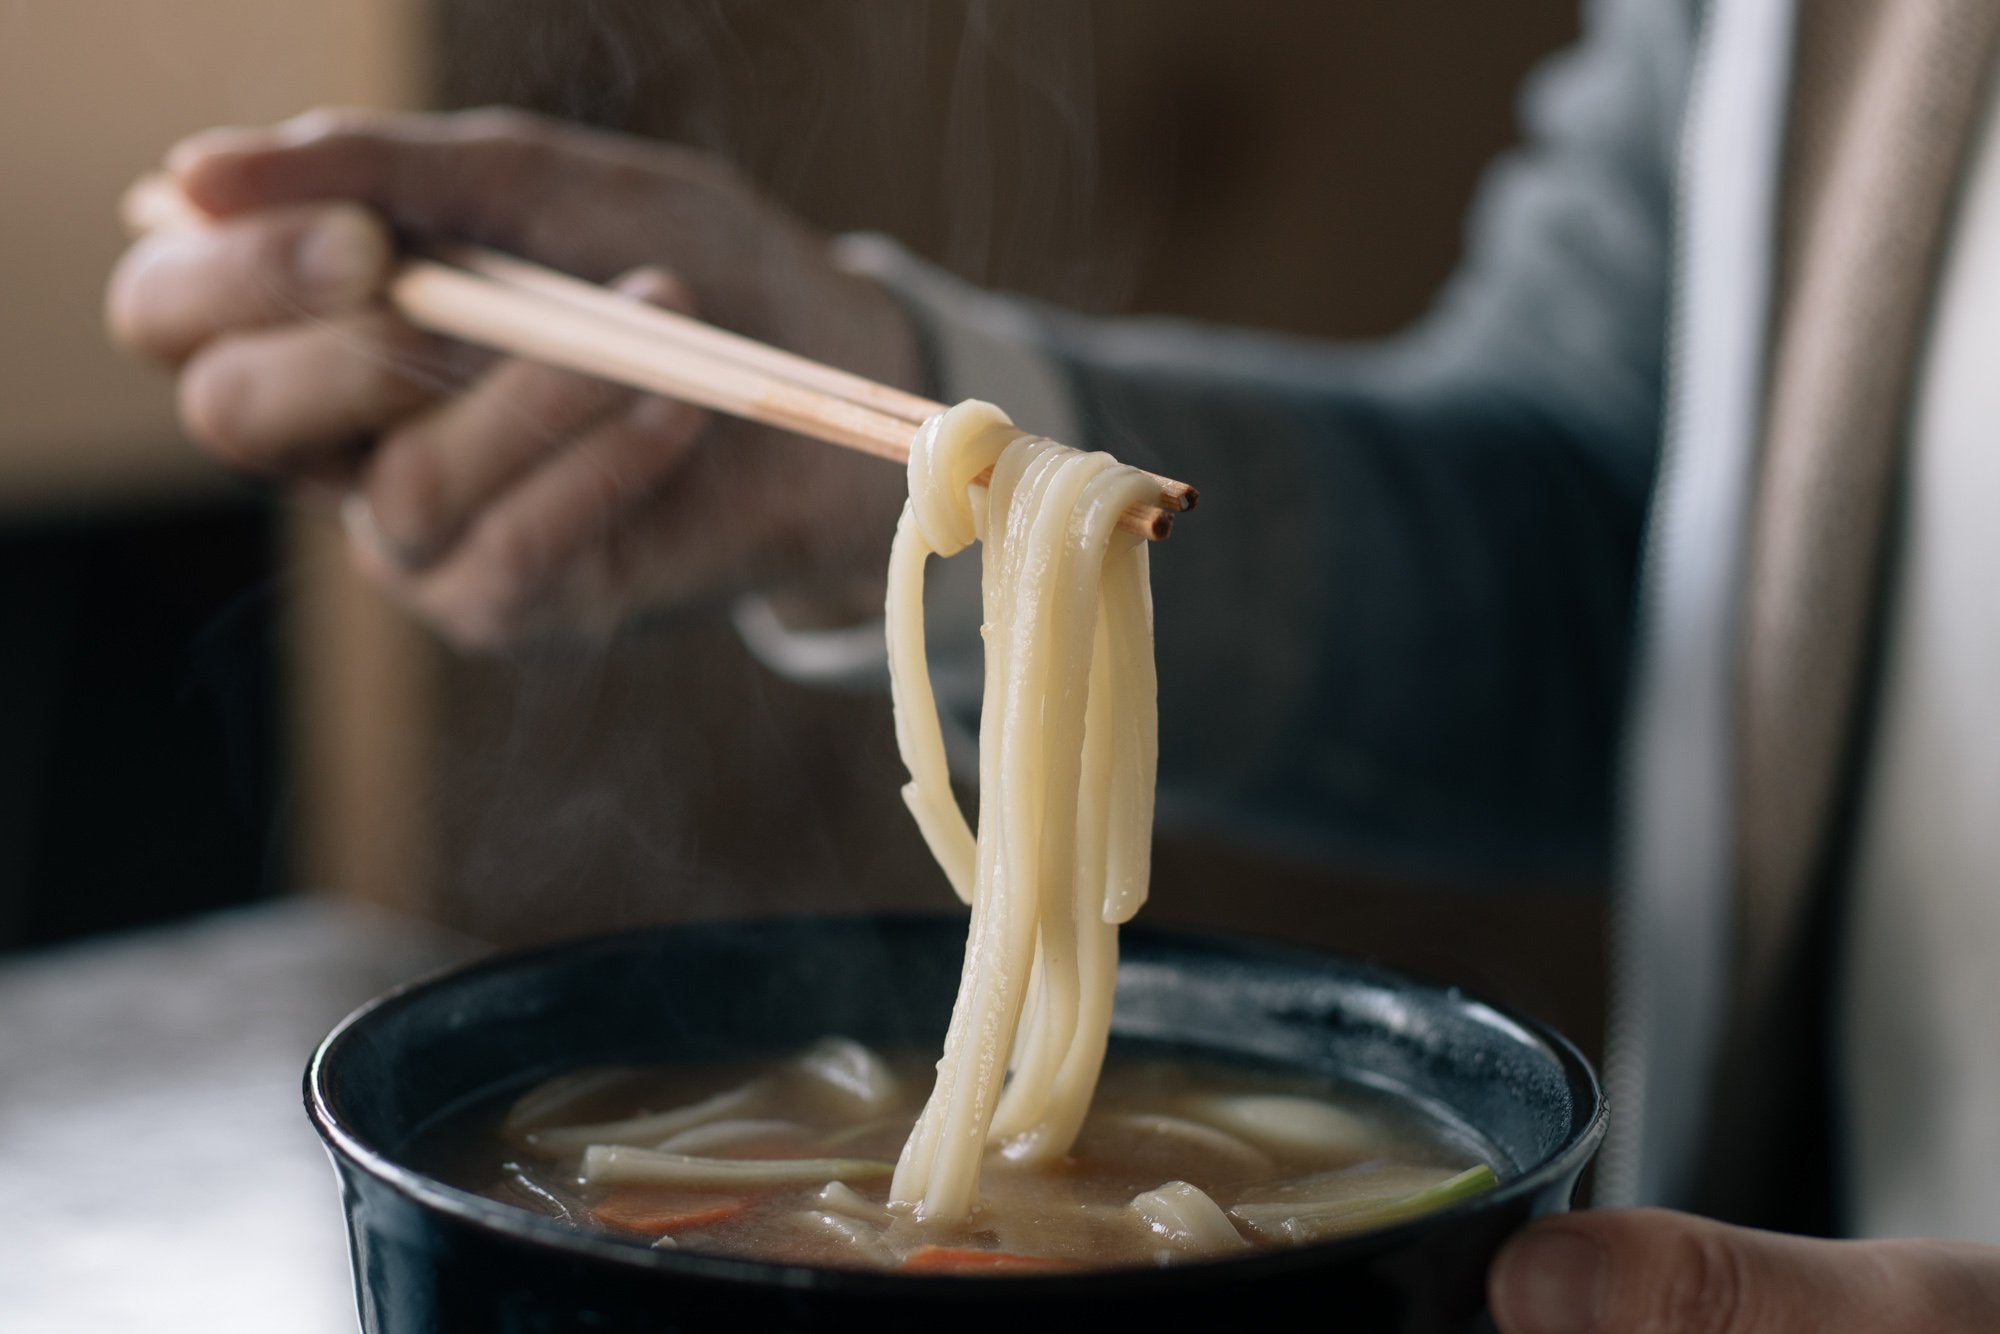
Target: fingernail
x=640, y=283
x=658, y=416
x=1551, y=1280
x=357, y=516
x=655, y=287
x=341, y=256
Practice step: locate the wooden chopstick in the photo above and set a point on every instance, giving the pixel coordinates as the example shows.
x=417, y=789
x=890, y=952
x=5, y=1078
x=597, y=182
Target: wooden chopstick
x=509, y=304
x=501, y=315
x=684, y=331
x=710, y=366
x=671, y=326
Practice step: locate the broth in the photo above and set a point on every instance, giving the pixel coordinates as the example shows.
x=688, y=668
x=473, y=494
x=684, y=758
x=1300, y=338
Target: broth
x=789, y=1161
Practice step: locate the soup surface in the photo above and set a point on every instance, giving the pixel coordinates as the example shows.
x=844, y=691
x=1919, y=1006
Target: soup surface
x=789, y=1161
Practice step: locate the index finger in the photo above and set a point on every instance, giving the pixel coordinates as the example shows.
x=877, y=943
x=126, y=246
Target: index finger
x=471, y=174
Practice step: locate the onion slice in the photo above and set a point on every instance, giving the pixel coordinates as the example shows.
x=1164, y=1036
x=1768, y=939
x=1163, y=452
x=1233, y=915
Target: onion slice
x=1317, y=1220
x=650, y=1128
x=1286, y=1123
x=621, y=1164
x=1187, y=1217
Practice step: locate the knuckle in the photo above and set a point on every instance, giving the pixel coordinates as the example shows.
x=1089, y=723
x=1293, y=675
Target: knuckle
x=147, y=299
x=1960, y=1283
x=320, y=122
x=611, y=477
x=703, y=171
x=472, y=628
x=504, y=151
x=271, y=252
x=660, y=287
x=663, y=434
x=401, y=357
x=336, y=255
x=1705, y=1286
x=512, y=566
x=407, y=493
x=324, y=123
x=501, y=123
x=484, y=605
x=213, y=401
x=546, y=403
x=124, y=303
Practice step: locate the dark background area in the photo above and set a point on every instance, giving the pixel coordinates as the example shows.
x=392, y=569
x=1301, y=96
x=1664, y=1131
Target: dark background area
x=1295, y=166
x=140, y=756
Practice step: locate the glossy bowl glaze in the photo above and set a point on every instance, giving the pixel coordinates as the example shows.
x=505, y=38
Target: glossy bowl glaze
x=429, y=1257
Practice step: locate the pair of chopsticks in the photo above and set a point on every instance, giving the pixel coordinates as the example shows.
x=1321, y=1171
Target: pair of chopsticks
x=511, y=305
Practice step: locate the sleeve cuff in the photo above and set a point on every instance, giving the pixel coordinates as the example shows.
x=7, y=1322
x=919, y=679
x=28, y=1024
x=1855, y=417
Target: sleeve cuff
x=982, y=346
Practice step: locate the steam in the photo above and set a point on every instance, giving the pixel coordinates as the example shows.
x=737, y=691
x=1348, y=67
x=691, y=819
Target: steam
x=1020, y=90
x=967, y=128
x=663, y=776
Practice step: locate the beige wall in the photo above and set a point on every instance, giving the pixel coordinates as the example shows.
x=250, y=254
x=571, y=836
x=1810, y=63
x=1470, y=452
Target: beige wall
x=91, y=92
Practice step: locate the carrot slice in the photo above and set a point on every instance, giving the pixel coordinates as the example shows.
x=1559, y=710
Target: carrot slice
x=962, y=1260
x=657, y=1212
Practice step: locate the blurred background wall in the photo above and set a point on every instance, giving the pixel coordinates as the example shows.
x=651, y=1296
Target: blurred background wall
x=207, y=708
x=141, y=590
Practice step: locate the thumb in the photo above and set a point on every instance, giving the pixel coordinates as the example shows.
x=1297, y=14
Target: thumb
x=1649, y=1271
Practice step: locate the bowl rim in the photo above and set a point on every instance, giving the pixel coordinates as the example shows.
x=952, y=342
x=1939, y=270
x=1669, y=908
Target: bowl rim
x=1589, y=1118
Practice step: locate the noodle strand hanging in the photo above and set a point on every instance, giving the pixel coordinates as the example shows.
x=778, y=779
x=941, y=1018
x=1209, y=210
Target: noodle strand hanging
x=1067, y=747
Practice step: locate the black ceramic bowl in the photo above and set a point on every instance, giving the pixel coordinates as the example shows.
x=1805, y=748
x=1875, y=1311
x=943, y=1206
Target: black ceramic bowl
x=432, y=1259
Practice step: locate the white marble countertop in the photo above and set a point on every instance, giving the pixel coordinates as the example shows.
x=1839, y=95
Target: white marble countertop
x=157, y=1169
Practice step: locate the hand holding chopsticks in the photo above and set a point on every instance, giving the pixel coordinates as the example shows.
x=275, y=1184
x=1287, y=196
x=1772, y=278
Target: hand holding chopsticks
x=509, y=304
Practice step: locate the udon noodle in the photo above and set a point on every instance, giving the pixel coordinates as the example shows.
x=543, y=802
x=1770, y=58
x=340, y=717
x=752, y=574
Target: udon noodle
x=1067, y=750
